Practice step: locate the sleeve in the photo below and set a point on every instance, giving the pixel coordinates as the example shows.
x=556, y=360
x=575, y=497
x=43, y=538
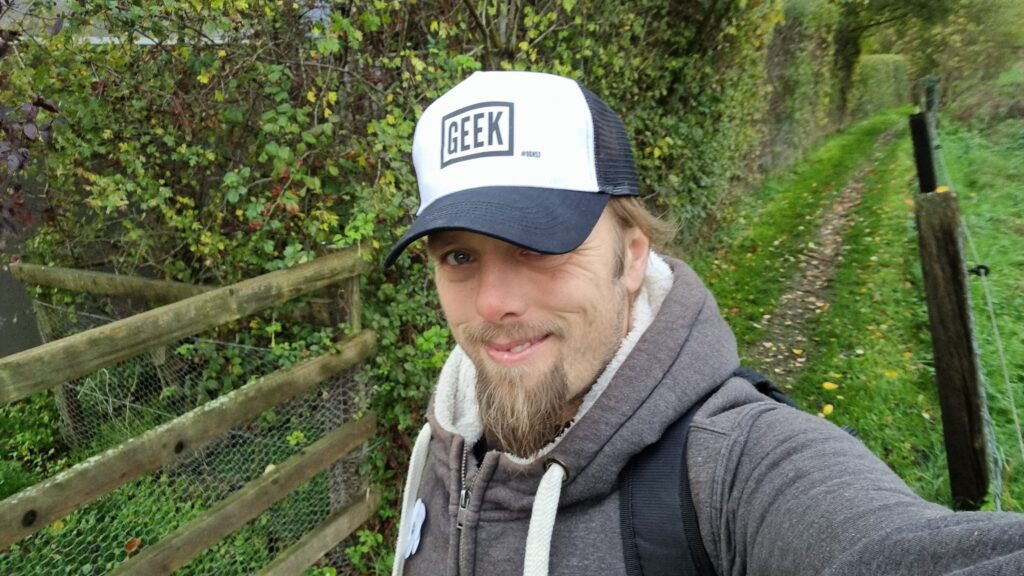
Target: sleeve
x=794, y=494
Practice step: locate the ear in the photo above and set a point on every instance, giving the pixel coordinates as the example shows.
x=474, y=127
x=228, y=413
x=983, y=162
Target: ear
x=638, y=246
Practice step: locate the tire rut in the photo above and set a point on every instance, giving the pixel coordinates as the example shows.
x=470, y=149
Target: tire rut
x=785, y=346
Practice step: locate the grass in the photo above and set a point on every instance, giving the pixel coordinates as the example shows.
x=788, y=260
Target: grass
x=873, y=342
x=987, y=173
x=752, y=259
x=868, y=363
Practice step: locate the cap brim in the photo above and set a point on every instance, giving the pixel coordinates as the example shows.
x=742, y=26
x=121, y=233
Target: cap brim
x=539, y=219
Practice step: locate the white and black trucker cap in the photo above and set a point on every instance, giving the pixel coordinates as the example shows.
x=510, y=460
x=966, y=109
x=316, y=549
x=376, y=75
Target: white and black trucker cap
x=524, y=157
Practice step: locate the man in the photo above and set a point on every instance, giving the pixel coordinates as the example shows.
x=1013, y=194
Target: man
x=578, y=347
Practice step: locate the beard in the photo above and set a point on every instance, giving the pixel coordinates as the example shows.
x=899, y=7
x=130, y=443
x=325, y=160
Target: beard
x=520, y=415
x=517, y=418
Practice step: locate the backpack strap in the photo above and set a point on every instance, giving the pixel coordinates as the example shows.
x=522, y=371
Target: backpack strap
x=656, y=508
x=657, y=512
x=764, y=385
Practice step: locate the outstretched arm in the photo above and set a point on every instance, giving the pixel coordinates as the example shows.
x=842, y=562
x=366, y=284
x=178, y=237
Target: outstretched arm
x=793, y=494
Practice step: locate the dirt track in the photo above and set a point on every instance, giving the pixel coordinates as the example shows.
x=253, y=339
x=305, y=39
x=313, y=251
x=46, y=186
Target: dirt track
x=784, y=347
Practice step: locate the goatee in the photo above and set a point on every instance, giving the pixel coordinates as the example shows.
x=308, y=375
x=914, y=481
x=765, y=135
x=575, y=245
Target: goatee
x=519, y=418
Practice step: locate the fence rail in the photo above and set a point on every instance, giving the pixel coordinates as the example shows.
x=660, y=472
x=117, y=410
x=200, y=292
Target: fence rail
x=52, y=364
x=191, y=311
x=89, y=282
x=34, y=508
x=185, y=543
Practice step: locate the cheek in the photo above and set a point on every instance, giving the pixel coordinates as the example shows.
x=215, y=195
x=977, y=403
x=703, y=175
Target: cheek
x=453, y=301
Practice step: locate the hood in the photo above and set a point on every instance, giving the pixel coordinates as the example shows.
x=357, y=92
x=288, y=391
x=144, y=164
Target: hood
x=679, y=348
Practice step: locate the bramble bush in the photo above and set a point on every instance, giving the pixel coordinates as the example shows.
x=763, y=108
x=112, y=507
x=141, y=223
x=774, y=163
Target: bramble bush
x=207, y=141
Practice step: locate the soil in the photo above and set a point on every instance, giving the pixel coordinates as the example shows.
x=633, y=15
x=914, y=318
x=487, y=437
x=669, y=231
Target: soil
x=785, y=344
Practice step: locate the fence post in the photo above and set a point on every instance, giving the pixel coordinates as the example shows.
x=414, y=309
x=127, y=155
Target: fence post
x=956, y=365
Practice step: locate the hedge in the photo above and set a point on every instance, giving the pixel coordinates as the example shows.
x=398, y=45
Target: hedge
x=211, y=141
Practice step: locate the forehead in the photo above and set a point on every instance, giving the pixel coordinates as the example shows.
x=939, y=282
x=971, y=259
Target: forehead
x=447, y=238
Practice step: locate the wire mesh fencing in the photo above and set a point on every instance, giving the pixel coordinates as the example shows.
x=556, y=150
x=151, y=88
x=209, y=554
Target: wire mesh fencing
x=109, y=406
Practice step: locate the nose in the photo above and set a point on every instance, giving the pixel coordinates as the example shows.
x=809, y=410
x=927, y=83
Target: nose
x=502, y=292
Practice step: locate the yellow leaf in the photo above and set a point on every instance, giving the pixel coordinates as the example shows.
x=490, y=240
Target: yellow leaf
x=827, y=409
x=332, y=97
x=798, y=351
x=829, y=385
x=222, y=53
x=327, y=112
x=311, y=96
x=204, y=78
x=57, y=525
x=891, y=373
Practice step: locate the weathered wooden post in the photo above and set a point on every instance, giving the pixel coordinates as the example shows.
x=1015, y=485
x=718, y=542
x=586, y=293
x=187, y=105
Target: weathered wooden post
x=956, y=365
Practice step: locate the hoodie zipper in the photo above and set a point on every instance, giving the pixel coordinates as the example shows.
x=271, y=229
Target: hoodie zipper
x=464, y=495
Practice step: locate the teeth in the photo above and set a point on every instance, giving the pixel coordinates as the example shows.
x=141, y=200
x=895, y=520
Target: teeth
x=520, y=348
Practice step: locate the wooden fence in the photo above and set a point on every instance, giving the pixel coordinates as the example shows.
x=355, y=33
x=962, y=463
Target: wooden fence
x=957, y=371
x=191, y=310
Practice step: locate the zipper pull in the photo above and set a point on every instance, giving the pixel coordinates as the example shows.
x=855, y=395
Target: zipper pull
x=463, y=504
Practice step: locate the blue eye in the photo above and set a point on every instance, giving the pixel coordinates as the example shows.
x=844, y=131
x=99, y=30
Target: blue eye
x=457, y=258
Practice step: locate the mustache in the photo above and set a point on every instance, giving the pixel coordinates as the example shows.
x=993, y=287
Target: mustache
x=483, y=332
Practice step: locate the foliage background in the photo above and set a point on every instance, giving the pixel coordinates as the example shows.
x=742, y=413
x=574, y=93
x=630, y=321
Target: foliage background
x=208, y=141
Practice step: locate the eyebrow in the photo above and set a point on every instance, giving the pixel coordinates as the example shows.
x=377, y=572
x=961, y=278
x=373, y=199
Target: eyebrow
x=437, y=244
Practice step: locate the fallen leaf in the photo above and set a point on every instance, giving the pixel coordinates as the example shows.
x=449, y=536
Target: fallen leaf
x=829, y=385
x=132, y=545
x=827, y=409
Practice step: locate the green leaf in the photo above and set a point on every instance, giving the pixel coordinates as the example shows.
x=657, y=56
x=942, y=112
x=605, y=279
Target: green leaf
x=329, y=45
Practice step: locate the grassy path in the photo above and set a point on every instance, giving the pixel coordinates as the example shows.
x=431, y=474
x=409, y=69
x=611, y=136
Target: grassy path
x=820, y=279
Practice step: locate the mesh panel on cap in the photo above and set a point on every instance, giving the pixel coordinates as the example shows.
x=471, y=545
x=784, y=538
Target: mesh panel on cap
x=613, y=156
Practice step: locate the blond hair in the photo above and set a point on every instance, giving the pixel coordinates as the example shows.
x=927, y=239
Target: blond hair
x=630, y=212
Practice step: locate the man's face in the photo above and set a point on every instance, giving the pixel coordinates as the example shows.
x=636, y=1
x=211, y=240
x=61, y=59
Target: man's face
x=539, y=328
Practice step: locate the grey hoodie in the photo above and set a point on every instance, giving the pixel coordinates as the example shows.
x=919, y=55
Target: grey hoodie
x=777, y=491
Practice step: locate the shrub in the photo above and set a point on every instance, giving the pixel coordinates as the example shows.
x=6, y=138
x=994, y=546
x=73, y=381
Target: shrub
x=209, y=142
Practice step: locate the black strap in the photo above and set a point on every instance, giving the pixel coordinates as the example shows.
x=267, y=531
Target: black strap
x=656, y=508
x=764, y=386
x=657, y=515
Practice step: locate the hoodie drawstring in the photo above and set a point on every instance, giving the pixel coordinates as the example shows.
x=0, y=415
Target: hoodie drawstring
x=542, y=520
x=417, y=463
